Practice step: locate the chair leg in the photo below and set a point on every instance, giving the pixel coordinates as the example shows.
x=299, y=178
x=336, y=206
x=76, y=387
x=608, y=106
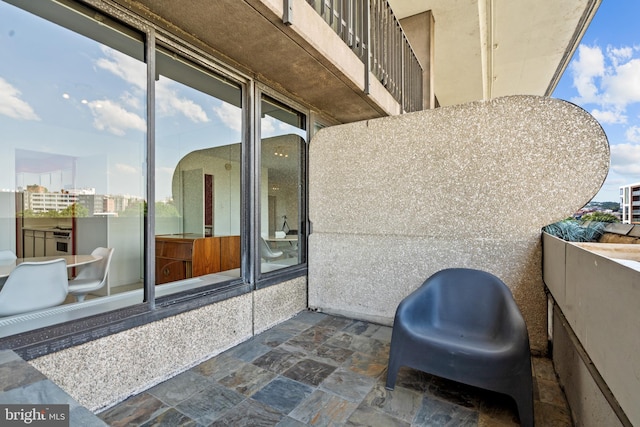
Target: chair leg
x=80, y=297
x=523, y=396
x=392, y=369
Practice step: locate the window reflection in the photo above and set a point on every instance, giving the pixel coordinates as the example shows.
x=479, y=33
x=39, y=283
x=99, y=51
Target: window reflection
x=73, y=139
x=198, y=174
x=282, y=148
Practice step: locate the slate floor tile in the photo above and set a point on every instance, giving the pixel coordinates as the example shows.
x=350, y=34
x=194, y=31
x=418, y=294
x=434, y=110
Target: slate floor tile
x=249, y=413
x=436, y=412
x=323, y=409
x=335, y=323
x=180, y=387
x=366, y=416
x=309, y=372
x=290, y=422
x=135, y=410
x=551, y=415
x=248, y=379
x=310, y=317
x=358, y=327
x=283, y=394
x=366, y=365
x=248, y=350
x=171, y=418
x=348, y=384
x=279, y=360
x=312, y=338
x=498, y=410
x=318, y=370
x=331, y=355
x=275, y=336
x=550, y=392
x=219, y=367
x=399, y=403
x=210, y=404
x=18, y=373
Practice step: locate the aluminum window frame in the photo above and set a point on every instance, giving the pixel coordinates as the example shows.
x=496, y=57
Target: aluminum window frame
x=57, y=336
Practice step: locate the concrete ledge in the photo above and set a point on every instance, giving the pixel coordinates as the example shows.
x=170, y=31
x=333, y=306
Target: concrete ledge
x=591, y=402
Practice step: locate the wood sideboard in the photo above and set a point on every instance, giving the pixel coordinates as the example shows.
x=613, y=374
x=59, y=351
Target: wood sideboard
x=181, y=256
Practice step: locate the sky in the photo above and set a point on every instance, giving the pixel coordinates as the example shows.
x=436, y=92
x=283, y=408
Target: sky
x=89, y=103
x=603, y=77
x=92, y=97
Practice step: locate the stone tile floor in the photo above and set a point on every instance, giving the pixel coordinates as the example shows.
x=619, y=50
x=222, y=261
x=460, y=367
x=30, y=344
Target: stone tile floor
x=324, y=370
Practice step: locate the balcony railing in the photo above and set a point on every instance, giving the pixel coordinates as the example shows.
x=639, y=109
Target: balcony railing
x=373, y=33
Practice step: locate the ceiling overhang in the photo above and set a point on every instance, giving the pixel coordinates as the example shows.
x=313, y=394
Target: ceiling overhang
x=490, y=48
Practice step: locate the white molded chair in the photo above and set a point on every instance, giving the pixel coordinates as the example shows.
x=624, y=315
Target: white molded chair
x=266, y=252
x=92, y=276
x=34, y=286
x=7, y=255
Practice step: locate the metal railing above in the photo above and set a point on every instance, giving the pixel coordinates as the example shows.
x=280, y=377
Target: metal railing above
x=374, y=34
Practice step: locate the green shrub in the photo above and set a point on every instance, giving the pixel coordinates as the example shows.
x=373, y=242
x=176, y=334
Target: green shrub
x=574, y=231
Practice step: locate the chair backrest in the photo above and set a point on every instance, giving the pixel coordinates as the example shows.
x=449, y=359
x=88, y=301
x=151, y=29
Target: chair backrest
x=266, y=252
x=7, y=255
x=34, y=286
x=97, y=270
x=471, y=300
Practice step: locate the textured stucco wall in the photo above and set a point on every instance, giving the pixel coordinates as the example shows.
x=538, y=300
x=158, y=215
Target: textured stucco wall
x=394, y=200
x=103, y=372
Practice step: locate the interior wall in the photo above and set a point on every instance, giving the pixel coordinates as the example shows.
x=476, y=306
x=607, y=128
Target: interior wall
x=396, y=199
x=226, y=192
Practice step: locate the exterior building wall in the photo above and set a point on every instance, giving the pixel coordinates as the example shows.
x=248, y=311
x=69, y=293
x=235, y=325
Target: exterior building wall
x=420, y=31
x=630, y=203
x=103, y=372
x=396, y=199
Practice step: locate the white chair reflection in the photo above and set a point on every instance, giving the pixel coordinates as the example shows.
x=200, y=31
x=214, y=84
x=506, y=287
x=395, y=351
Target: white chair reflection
x=93, y=276
x=6, y=257
x=33, y=286
x=267, y=253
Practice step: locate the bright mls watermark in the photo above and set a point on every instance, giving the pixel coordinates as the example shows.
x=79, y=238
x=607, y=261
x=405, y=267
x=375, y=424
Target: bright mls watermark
x=34, y=415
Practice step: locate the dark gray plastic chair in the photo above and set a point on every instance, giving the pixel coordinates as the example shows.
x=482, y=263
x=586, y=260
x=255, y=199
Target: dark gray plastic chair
x=464, y=325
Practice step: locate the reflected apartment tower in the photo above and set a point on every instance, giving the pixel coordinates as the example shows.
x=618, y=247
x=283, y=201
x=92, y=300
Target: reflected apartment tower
x=630, y=203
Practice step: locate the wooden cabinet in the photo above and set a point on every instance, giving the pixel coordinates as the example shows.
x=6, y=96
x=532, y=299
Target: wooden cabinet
x=181, y=256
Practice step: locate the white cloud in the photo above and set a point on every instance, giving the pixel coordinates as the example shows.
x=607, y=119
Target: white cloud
x=622, y=86
x=169, y=103
x=129, y=69
x=633, y=134
x=268, y=126
x=585, y=70
x=131, y=100
x=610, y=116
x=12, y=106
x=112, y=117
x=625, y=158
x=611, y=81
x=230, y=115
x=127, y=169
x=619, y=54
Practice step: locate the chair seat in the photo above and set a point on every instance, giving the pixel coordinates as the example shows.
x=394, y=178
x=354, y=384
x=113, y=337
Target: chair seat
x=444, y=340
x=82, y=285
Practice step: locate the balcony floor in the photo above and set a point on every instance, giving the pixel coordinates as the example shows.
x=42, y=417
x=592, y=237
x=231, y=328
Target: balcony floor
x=321, y=370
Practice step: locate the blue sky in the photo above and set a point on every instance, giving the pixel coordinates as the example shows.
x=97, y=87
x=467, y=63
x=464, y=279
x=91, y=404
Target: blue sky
x=603, y=77
x=104, y=90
